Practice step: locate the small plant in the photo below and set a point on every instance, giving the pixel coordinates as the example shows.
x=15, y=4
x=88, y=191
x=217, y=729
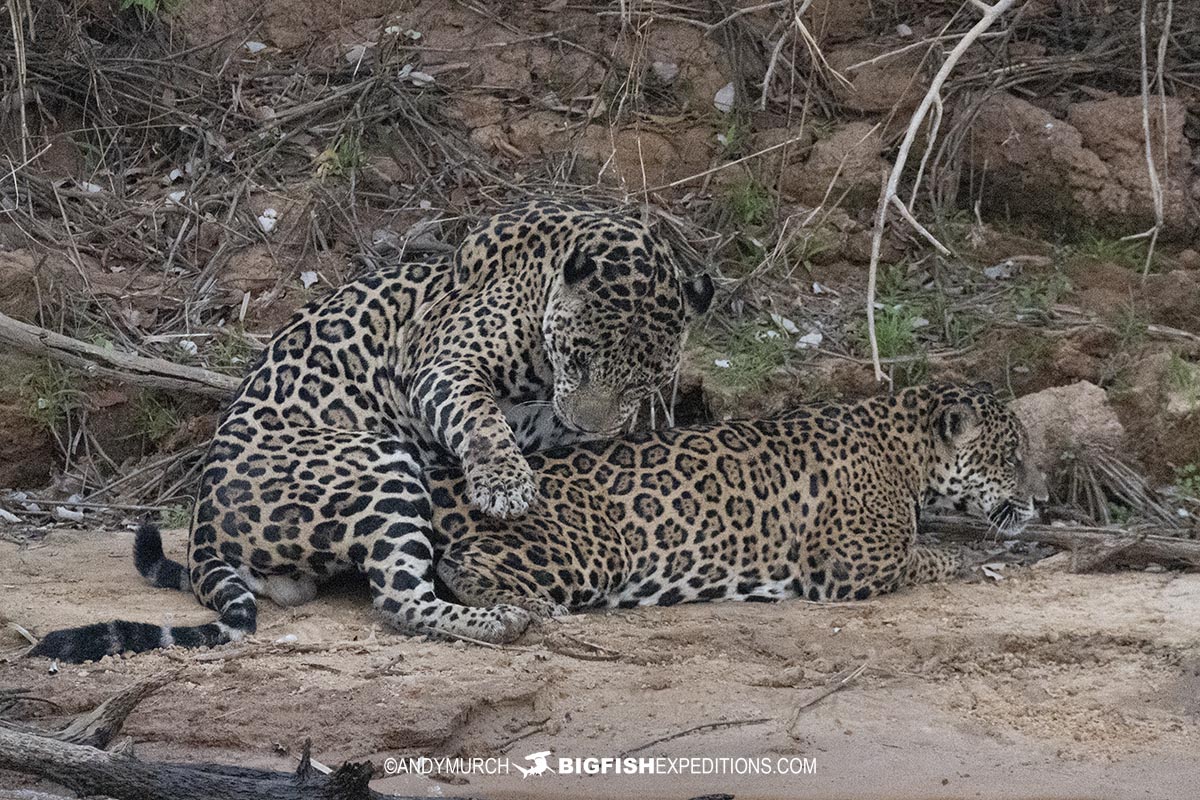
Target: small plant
x=750, y=203
x=178, y=516
x=751, y=354
x=1183, y=379
x=734, y=139
x=895, y=332
x=1130, y=326
x=232, y=351
x=343, y=156
x=811, y=245
x=1113, y=251
x=1120, y=514
x=156, y=418
x=151, y=6
x=50, y=394
x=1187, y=480
x=1040, y=294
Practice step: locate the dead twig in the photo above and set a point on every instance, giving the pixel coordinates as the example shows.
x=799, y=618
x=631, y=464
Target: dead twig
x=838, y=681
x=709, y=726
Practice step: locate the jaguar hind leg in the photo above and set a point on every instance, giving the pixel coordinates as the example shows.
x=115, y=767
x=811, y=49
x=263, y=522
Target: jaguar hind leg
x=477, y=578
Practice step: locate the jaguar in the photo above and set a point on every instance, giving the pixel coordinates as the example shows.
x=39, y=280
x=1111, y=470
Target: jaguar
x=551, y=321
x=821, y=504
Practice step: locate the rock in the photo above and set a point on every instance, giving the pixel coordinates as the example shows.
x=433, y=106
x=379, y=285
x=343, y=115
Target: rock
x=1067, y=419
x=851, y=154
x=1189, y=259
x=1091, y=165
x=1112, y=129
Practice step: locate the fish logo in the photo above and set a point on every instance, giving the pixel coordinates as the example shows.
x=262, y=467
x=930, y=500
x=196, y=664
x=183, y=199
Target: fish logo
x=540, y=765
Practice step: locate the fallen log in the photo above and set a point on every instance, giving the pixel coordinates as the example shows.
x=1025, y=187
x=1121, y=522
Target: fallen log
x=95, y=361
x=1091, y=547
x=89, y=771
x=72, y=757
x=100, y=726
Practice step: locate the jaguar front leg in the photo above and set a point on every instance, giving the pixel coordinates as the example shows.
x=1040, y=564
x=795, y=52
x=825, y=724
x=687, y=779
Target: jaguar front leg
x=459, y=406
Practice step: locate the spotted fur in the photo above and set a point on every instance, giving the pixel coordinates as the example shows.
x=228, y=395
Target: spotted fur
x=821, y=505
x=551, y=321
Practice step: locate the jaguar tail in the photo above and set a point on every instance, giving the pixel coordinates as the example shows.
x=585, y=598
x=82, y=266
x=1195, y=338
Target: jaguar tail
x=222, y=589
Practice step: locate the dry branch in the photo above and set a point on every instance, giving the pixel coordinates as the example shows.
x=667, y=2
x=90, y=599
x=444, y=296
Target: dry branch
x=890, y=195
x=88, y=770
x=101, y=725
x=1136, y=548
x=96, y=361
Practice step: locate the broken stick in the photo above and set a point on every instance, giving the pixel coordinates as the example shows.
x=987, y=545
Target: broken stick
x=90, y=771
x=95, y=361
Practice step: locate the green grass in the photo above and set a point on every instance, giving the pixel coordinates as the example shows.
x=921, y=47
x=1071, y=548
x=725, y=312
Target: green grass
x=178, y=516
x=340, y=158
x=803, y=250
x=1187, y=480
x=754, y=351
x=50, y=393
x=1183, y=378
x=1130, y=326
x=156, y=418
x=894, y=332
x=1039, y=294
x=750, y=203
x=151, y=6
x=734, y=139
x=231, y=352
x=1113, y=251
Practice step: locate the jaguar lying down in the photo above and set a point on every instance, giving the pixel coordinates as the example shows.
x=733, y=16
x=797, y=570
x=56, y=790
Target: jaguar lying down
x=820, y=505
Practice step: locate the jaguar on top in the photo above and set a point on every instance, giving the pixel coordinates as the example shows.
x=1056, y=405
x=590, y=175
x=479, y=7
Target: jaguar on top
x=551, y=321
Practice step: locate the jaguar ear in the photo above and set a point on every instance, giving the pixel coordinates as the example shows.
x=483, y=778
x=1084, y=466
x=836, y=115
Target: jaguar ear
x=578, y=267
x=984, y=386
x=699, y=293
x=956, y=421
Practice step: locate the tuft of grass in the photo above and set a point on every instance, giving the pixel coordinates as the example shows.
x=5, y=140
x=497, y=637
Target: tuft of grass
x=735, y=138
x=156, y=418
x=750, y=203
x=340, y=158
x=1039, y=294
x=1113, y=251
x=894, y=331
x=151, y=6
x=1131, y=326
x=753, y=352
x=50, y=394
x=177, y=516
x=1187, y=480
x=231, y=352
x=810, y=246
x=1183, y=379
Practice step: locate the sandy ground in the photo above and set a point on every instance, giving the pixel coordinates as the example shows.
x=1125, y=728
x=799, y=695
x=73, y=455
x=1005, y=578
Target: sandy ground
x=1046, y=684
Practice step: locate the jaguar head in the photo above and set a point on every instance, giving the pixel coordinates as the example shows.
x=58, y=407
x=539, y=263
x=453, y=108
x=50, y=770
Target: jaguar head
x=982, y=457
x=615, y=326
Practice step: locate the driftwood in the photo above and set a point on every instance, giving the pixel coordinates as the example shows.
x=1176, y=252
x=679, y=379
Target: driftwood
x=100, y=726
x=95, y=361
x=89, y=770
x=1090, y=547
x=120, y=775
